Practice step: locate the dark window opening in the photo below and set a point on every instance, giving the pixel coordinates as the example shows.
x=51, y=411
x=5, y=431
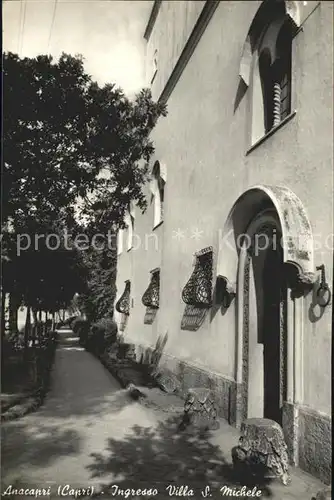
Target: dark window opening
x=267, y=89
x=276, y=79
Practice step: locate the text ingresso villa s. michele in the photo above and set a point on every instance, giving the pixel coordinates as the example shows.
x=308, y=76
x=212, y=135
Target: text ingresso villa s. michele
x=115, y=491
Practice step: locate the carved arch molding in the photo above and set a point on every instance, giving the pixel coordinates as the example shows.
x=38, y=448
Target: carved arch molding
x=297, y=238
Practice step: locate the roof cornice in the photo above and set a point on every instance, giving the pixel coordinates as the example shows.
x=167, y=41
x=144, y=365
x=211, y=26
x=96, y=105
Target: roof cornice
x=152, y=19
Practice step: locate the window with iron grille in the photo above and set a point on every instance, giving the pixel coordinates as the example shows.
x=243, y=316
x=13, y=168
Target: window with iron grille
x=151, y=297
x=266, y=66
x=198, y=290
x=284, y=49
x=123, y=304
x=154, y=66
x=275, y=74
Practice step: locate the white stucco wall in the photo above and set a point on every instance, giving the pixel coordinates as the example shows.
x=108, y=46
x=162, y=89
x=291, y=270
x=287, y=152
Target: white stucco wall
x=203, y=142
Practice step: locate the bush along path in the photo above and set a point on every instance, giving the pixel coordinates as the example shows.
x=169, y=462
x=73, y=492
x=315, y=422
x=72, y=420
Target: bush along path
x=142, y=379
x=42, y=358
x=118, y=357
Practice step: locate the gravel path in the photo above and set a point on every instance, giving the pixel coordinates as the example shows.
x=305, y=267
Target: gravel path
x=89, y=433
x=85, y=406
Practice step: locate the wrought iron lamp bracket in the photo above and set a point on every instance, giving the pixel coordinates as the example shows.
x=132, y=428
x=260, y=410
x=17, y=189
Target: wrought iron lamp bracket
x=225, y=291
x=299, y=281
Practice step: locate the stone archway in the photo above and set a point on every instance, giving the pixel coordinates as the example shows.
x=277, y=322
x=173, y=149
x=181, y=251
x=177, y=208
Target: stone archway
x=253, y=210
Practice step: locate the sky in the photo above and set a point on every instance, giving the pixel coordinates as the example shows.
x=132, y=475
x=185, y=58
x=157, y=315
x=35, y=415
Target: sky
x=108, y=33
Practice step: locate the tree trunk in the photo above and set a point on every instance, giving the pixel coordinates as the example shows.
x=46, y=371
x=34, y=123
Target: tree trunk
x=16, y=318
x=27, y=329
x=3, y=318
x=40, y=315
x=35, y=326
x=53, y=322
x=13, y=307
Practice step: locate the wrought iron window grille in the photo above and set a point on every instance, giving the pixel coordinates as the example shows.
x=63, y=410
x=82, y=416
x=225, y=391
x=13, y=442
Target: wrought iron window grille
x=151, y=296
x=198, y=290
x=123, y=304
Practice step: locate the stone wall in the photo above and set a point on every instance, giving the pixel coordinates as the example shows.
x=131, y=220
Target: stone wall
x=315, y=443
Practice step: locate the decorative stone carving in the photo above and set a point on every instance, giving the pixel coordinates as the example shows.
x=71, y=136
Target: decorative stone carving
x=135, y=393
x=167, y=382
x=225, y=291
x=200, y=409
x=299, y=281
x=325, y=494
x=127, y=351
x=262, y=450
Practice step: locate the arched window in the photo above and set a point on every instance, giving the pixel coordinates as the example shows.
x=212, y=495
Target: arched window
x=267, y=89
x=130, y=225
x=282, y=72
x=158, y=192
x=271, y=82
x=128, y=231
x=266, y=63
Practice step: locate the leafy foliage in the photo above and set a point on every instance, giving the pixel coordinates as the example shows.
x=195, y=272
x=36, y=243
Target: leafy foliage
x=62, y=130
x=98, y=296
x=72, y=151
x=102, y=335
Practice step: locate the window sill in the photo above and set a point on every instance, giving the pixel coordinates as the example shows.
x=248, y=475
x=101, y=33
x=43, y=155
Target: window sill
x=157, y=225
x=271, y=132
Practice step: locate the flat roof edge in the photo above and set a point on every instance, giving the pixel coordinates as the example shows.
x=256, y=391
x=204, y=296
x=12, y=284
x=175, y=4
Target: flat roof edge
x=152, y=19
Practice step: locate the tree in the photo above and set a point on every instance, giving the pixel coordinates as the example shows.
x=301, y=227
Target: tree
x=98, y=296
x=62, y=131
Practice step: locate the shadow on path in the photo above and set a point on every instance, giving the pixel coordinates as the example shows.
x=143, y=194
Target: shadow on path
x=78, y=414
x=81, y=386
x=162, y=456
x=37, y=446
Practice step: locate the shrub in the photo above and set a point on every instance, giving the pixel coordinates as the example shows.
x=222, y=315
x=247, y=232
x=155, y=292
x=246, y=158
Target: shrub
x=80, y=327
x=102, y=335
x=71, y=320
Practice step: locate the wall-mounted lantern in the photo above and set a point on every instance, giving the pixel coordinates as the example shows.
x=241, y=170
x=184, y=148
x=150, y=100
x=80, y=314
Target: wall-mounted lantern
x=323, y=292
x=225, y=291
x=198, y=290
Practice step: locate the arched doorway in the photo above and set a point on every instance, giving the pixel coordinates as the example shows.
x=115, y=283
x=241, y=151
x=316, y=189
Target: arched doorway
x=262, y=378
x=264, y=318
